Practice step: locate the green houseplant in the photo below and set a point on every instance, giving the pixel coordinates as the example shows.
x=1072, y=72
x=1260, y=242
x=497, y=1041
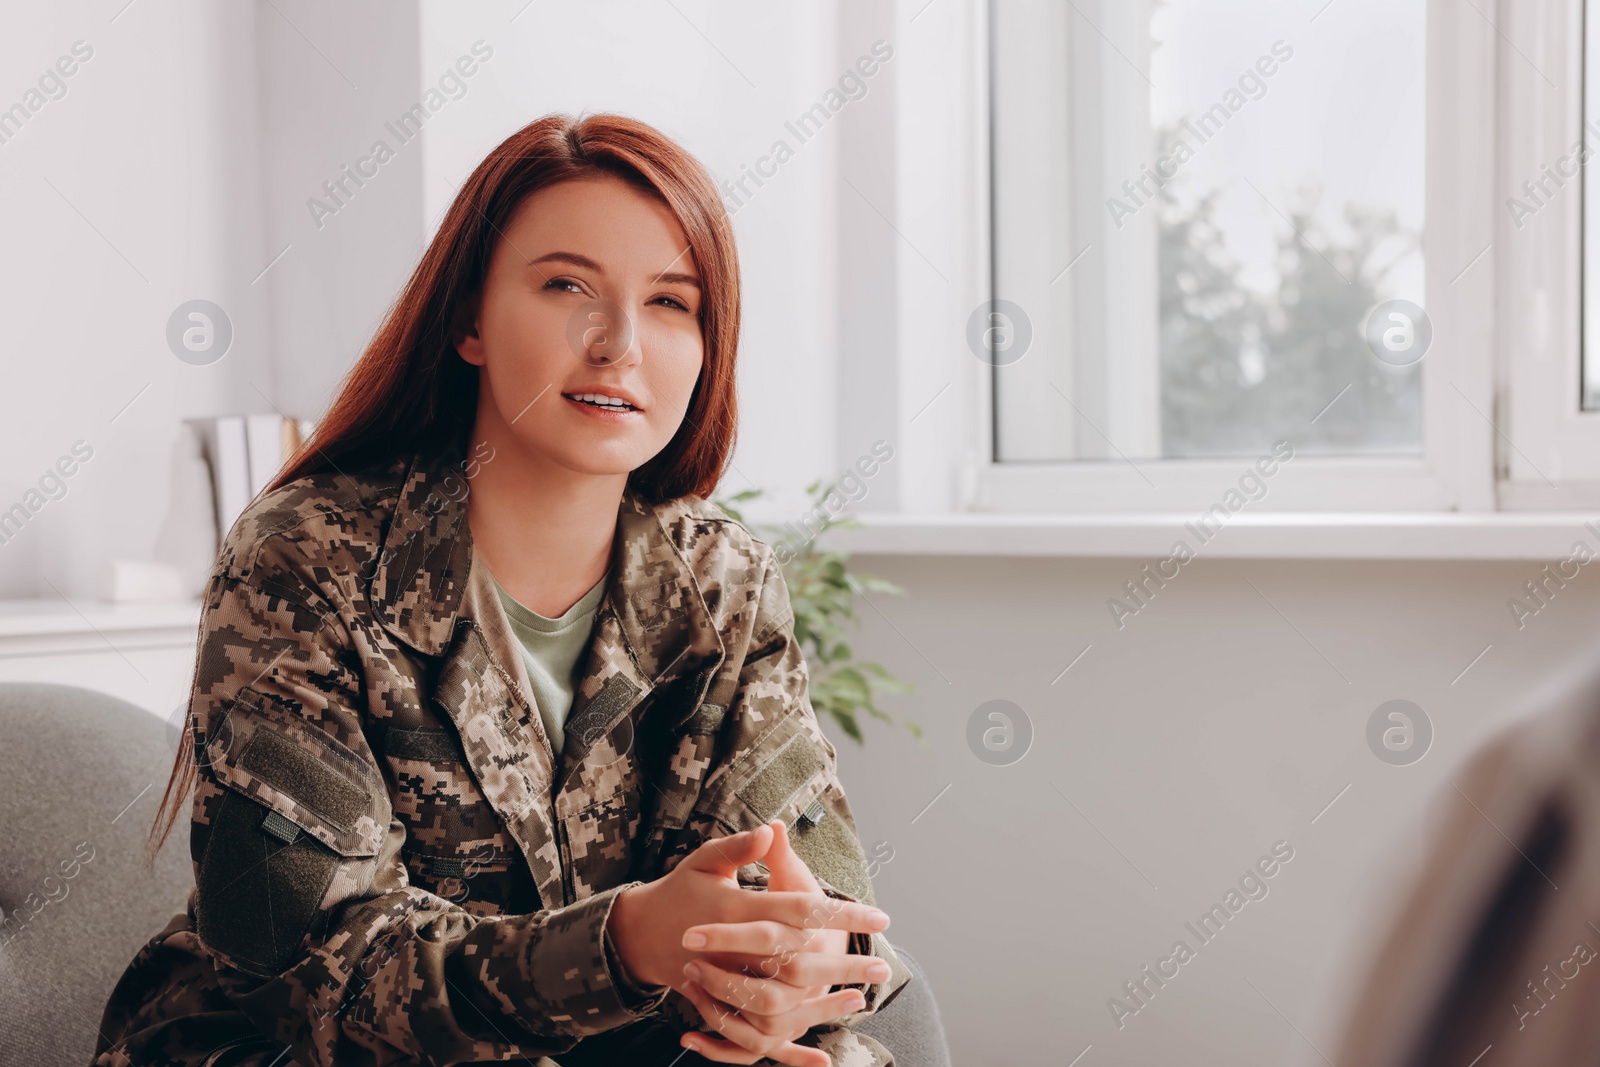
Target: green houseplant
x=823, y=593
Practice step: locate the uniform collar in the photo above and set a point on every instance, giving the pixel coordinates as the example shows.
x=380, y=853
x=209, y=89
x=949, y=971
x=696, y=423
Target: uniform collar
x=423, y=569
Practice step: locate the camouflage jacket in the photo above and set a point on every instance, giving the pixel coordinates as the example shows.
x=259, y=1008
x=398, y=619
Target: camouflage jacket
x=391, y=863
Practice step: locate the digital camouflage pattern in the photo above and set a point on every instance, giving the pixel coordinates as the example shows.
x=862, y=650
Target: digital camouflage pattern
x=391, y=864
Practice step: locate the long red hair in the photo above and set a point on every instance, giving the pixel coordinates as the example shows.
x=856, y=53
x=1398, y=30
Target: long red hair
x=412, y=392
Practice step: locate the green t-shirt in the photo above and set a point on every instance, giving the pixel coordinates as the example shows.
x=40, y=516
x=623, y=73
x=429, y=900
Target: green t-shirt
x=551, y=649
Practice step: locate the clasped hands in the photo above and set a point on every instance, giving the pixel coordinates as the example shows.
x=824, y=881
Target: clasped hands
x=758, y=966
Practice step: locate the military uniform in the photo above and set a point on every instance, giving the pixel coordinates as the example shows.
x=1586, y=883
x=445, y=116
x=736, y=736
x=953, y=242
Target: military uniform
x=391, y=863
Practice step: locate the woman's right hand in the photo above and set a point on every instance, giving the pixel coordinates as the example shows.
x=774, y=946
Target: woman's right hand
x=647, y=922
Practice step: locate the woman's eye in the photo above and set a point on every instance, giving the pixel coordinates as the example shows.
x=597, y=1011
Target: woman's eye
x=555, y=283
x=674, y=302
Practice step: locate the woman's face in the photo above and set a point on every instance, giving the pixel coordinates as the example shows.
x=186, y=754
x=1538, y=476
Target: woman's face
x=591, y=293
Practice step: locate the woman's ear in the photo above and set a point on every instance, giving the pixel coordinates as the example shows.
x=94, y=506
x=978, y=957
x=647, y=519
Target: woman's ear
x=468, y=345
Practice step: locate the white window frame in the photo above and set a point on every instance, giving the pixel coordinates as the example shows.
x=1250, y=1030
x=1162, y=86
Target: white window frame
x=943, y=129
x=1550, y=457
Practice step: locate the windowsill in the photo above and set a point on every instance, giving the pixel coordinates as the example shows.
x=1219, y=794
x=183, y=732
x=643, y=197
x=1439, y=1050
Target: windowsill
x=1539, y=536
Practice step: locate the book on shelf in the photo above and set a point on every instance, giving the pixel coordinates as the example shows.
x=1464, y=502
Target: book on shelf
x=244, y=453
x=219, y=465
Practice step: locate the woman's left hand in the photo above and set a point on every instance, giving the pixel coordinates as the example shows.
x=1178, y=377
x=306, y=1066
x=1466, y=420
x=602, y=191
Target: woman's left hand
x=787, y=972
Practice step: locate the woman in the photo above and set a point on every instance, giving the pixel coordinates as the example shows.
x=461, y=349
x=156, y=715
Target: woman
x=496, y=722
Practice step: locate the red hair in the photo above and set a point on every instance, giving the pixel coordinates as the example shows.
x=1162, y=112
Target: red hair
x=411, y=390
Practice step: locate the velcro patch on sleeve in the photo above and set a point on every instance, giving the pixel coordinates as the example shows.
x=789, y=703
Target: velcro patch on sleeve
x=833, y=853
x=790, y=768
x=300, y=775
x=269, y=751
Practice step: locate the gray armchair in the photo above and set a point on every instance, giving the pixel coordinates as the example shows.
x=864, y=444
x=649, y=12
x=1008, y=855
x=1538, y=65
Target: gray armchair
x=81, y=775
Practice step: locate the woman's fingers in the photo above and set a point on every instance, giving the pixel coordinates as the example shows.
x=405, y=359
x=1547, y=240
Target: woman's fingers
x=785, y=869
x=724, y=1051
x=810, y=911
x=778, y=950
x=777, y=998
x=750, y=1046
x=763, y=996
x=811, y=969
x=744, y=1042
x=725, y=855
x=760, y=937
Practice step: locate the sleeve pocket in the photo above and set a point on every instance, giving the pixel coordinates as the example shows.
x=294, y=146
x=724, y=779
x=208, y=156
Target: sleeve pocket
x=277, y=758
x=297, y=806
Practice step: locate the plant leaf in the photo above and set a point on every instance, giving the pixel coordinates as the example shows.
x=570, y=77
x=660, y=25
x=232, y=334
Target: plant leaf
x=823, y=595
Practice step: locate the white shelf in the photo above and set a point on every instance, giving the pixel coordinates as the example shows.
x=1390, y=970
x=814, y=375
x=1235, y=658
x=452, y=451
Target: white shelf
x=1541, y=536
x=42, y=627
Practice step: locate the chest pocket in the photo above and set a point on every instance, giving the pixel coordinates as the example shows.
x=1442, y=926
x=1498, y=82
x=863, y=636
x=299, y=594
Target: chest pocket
x=447, y=816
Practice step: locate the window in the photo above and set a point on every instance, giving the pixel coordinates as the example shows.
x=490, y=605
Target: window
x=1548, y=307
x=1567, y=167
x=1257, y=219
x=1220, y=224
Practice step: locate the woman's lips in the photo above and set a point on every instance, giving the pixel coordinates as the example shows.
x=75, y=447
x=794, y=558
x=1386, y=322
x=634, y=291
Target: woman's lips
x=595, y=411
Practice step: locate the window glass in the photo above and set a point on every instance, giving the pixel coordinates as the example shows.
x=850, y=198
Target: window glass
x=1248, y=179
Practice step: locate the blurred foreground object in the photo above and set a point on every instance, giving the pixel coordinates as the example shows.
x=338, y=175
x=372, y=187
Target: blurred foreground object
x=1494, y=959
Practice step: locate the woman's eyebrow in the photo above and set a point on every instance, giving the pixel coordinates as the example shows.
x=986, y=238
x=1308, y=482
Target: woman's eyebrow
x=585, y=262
x=677, y=279
x=569, y=257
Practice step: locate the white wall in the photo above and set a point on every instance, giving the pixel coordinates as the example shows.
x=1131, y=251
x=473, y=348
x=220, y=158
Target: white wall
x=1192, y=739
x=135, y=191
